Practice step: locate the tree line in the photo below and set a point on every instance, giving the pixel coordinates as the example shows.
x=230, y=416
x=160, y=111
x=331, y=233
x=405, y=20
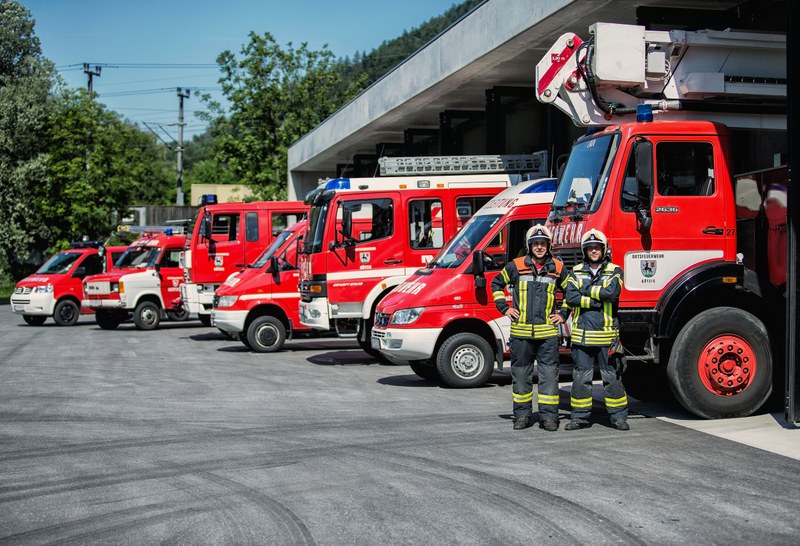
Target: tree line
x=70, y=167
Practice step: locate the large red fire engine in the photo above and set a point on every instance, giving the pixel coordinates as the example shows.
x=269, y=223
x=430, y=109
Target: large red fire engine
x=442, y=320
x=227, y=237
x=367, y=235
x=56, y=289
x=144, y=282
x=676, y=115
x=259, y=306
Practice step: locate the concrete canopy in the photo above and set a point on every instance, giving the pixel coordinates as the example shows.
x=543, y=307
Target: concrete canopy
x=498, y=43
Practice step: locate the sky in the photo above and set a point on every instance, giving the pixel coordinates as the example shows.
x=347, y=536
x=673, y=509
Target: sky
x=188, y=35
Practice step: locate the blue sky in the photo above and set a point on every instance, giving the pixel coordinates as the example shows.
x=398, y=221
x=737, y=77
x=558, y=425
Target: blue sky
x=194, y=32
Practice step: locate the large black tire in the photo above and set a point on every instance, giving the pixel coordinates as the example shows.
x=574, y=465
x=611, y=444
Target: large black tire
x=424, y=369
x=266, y=334
x=721, y=364
x=646, y=382
x=364, y=338
x=34, y=320
x=107, y=320
x=178, y=316
x=205, y=320
x=465, y=360
x=66, y=313
x=147, y=316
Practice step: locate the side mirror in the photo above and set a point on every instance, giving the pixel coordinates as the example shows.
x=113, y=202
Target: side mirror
x=205, y=227
x=274, y=267
x=80, y=272
x=347, y=223
x=644, y=181
x=478, y=269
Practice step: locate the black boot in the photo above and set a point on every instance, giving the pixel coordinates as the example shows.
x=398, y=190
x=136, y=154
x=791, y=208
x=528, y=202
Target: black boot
x=523, y=422
x=576, y=424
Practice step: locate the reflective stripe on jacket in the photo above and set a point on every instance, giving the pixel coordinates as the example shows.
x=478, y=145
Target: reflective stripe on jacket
x=594, y=299
x=533, y=295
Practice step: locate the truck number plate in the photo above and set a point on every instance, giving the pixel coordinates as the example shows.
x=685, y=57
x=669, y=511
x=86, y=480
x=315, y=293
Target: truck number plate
x=375, y=343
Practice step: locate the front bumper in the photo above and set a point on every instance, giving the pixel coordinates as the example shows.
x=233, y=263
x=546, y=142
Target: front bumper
x=33, y=304
x=229, y=321
x=197, y=298
x=314, y=314
x=406, y=343
x=104, y=304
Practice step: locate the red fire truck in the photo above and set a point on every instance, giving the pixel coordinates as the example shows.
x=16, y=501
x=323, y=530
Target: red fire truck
x=442, y=320
x=259, y=306
x=683, y=172
x=367, y=235
x=56, y=289
x=144, y=282
x=227, y=237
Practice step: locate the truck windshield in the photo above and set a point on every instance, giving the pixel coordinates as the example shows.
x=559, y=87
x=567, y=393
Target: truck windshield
x=316, y=228
x=460, y=246
x=139, y=256
x=583, y=182
x=276, y=244
x=60, y=263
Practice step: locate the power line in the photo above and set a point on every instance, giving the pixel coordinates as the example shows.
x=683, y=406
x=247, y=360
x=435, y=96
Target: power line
x=142, y=65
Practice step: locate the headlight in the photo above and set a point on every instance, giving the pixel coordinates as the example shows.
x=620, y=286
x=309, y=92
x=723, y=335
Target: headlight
x=406, y=316
x=114, y=288
x=43, y=289
x=226, y=301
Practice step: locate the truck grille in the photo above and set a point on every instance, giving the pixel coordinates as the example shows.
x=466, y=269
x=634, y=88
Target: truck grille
x=97, y=288
x=570, y=256
x=382, y=319
x=22, y=290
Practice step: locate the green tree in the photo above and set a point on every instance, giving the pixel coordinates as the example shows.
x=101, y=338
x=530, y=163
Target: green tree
x=99, y=165
x=276, y=95
x=26, y=103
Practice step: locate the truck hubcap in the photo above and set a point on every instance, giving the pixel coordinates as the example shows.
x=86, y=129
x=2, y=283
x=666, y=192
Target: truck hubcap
x=727, y=365
x=148, y=316
x=467, y=361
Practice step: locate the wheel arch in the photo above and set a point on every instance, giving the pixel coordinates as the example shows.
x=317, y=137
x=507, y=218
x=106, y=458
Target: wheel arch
x=472, y=325
x=269, y=309
x=149, y=297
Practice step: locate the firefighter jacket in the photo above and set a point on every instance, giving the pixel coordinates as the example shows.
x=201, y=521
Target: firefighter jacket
x=594, y=300
x=534, y=295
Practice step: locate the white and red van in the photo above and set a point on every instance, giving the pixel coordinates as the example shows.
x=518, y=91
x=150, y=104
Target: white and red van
x=259, y=306
x=442, y=320
x=144, y=283
x=56, y=289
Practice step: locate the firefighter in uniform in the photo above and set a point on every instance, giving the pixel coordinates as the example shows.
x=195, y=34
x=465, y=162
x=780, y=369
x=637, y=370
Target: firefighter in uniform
x=533, y=280
x=593, y=290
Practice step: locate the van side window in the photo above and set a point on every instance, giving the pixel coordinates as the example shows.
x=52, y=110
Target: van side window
x=685, y=168
x=251, y=227
x=225, y=227
x=372, y=218
x=93, y=264
x=425, y=228
x=466, y=207
x=171, y=257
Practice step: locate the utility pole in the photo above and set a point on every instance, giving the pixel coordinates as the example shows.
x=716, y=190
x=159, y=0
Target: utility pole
x=182, y=94
x=90, y=73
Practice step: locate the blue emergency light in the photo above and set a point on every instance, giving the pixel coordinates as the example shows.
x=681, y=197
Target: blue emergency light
x=337, y=184
x=644, y=112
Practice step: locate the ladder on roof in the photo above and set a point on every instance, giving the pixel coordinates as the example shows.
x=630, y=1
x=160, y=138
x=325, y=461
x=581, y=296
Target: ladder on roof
x=535, y=164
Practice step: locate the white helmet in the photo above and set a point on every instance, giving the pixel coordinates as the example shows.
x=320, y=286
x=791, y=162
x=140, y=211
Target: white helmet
x=538, y=233
x=594, y=237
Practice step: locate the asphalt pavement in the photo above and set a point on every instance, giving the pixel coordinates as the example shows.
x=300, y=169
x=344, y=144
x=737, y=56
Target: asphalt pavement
x=181, y=436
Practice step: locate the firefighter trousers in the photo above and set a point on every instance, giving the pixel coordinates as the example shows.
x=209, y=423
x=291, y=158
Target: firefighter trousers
x=523, y=353
x=616, y=400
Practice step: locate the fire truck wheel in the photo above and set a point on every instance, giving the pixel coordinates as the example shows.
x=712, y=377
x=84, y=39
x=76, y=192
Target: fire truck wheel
x=205, y=320
x=424, y=369
x=147, y=316
x=465, y=360
x=66, y=313
x=178, y=316
x=721, y=364
x=34, y=320
x=107, y=320
x=266, y=334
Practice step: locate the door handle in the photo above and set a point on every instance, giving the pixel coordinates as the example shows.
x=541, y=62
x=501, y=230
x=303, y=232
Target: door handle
x=712, y=230
x=392, y=261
